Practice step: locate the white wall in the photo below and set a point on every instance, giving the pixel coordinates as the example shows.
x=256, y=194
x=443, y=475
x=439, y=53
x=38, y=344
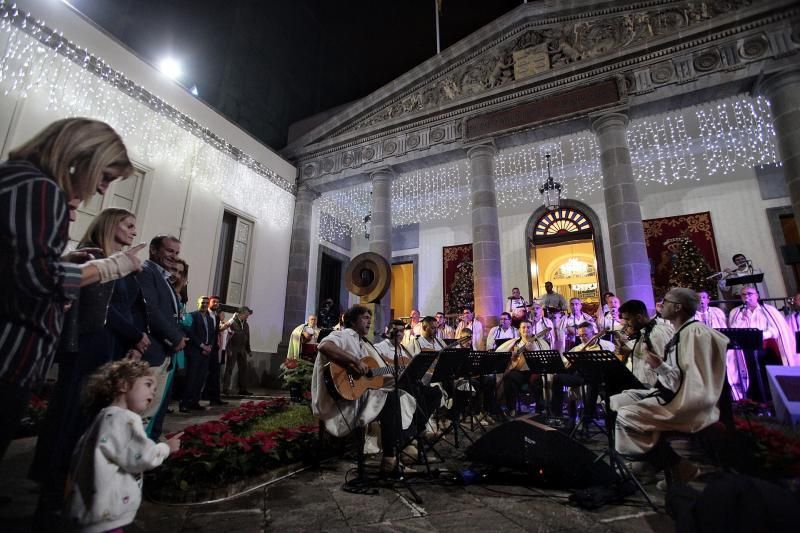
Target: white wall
x=164, y=195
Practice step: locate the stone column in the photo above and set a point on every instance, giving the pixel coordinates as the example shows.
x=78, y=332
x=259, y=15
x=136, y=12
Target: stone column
x=783, y=92
x=485, y=235
x=628, y=253
x=380, y=239
x=294, y=311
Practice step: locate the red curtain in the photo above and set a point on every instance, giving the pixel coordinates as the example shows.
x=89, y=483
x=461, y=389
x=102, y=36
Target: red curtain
x=458, y=285
x=662, y=237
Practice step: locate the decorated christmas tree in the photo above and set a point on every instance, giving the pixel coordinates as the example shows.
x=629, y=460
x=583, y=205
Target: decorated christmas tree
x=462, y=288
x=690, y=269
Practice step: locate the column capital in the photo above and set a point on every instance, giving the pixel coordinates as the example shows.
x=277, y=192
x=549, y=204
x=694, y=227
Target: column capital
x=482, y=148
x=381, y=172
x=306, y=193
x=777, y=80
x=609, y=120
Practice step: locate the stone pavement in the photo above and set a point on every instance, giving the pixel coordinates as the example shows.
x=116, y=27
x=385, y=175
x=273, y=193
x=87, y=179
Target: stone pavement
x=314, y=501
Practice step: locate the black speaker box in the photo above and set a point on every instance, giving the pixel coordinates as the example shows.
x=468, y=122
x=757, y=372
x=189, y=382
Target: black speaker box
x=546, y=454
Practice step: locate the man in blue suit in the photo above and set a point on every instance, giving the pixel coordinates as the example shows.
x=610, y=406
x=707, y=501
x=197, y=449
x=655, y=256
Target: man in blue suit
x=162, y=312
x=201, y=334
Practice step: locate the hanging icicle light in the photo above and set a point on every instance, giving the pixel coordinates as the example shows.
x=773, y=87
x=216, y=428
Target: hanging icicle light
x=551, y=190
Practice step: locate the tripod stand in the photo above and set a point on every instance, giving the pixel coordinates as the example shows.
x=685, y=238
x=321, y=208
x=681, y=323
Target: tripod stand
x=616, y=378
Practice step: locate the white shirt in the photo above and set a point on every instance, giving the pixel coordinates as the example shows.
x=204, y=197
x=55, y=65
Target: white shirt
x=497, y=335
x=477, y=332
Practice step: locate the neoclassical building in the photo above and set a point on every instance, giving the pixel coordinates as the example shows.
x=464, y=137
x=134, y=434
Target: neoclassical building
x=672, y=112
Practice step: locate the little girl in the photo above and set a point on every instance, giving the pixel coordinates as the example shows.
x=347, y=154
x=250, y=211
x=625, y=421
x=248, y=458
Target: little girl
x=104, y=489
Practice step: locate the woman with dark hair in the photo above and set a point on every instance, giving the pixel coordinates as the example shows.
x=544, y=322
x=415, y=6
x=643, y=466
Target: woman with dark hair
x=96, y=331
x=41, y=186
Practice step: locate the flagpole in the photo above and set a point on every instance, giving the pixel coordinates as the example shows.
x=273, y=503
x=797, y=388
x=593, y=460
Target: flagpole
x=436, y=10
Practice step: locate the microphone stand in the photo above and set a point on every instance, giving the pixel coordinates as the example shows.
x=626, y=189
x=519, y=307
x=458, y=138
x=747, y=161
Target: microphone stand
x=398, y=425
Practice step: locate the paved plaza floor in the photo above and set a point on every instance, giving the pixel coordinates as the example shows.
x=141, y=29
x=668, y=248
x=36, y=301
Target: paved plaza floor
x=313, y=500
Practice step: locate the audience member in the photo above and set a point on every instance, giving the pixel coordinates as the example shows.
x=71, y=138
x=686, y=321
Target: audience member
x=201, y=336
x=238, y=351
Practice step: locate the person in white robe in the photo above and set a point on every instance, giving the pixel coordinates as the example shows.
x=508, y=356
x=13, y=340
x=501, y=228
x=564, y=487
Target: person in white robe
x=469, y=321
x=567, y=326
x=518, y=373
x=691, y=374
x=645, y=330
x=742, y=267
x=515, y=301
x=414, y=327
x=302, y=334
x=501, y=333
x=444, y=331
x=610, y=320
x=542, y=326
x=349, y=348
x=776, y=335
x=713, y=317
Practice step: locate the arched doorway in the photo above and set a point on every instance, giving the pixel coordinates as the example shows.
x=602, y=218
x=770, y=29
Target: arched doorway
x=565, y=247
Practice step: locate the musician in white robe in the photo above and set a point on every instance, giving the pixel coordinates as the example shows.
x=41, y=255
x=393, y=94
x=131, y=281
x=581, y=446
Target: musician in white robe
x=518, y=372
x=302, y=334
x=776, y=334
x=567, y=326
x=691, y=373
x=501, y=333
x=349, y=348
x=426, y=340
x=515, y=301
x=443, y=330
x=414, y=327
x=469, y=321
x=793, y=316
x=713, y=317
x=634, y=314
x=743, y=267
x=610, y=320
x=394, y=342
x=541, y=326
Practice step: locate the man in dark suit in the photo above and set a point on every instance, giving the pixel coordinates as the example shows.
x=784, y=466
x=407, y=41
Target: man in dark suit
x=211, y=391
x=238, y=350
x=162, y=311
x=198, y=349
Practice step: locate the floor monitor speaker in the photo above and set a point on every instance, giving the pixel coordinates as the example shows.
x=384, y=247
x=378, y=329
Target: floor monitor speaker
x=546, y=454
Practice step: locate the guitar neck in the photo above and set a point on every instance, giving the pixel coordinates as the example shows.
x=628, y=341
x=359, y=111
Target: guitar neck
x=384, y=370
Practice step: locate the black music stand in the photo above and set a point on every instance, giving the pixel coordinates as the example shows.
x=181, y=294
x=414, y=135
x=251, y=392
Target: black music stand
x=613, y=372
x=744, y=280
x=751, y=342
x=545, y=362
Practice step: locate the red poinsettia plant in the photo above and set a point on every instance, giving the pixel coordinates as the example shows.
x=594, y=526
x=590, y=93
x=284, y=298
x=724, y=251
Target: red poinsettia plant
x=772, y=452
x=222, y=451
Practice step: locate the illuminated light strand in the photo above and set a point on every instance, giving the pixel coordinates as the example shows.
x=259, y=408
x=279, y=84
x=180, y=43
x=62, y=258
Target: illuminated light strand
x=731, y=134
x=38, y=60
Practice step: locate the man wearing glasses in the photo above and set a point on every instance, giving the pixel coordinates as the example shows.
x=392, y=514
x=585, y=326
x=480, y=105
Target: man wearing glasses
x=501, y=333
x=691, y=373
x=779, y=345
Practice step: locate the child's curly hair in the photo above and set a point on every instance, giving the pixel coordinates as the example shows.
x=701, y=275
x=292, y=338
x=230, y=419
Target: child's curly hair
x=103, y=386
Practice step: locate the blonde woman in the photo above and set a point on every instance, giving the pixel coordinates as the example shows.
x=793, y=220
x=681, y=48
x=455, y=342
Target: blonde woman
x=108, y=322
x=41, y=185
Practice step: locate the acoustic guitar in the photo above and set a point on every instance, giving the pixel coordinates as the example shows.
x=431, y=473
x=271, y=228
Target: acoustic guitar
x=343, y=384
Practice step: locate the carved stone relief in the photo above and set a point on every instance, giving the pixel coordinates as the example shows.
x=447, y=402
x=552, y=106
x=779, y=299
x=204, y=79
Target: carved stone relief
x=552, y=47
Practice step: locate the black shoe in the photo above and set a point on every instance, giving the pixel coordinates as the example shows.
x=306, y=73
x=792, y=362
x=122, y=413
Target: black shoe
x=245, y=393
x=218, y=402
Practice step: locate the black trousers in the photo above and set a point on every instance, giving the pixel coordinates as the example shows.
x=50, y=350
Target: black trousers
x=512, y=383
x=196, y=370
x=573, y=380
x=211, y=391
x=14, y=402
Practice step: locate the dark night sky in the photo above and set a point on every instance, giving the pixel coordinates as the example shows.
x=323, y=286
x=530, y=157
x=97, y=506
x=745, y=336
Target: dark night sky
x=267, y=63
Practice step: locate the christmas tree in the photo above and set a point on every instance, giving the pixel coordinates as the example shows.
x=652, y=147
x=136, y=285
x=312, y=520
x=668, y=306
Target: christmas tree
x=461, y=290
x=690, y=269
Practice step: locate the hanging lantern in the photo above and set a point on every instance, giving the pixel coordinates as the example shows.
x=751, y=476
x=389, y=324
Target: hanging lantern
x=551, y=190
x=367, y=225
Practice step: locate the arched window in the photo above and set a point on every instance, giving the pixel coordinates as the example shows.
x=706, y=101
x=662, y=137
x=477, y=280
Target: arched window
x=560, y=222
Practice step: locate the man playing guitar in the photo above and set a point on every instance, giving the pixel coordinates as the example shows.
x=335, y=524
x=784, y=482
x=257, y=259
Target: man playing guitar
x=517, y=373
x=350, y=349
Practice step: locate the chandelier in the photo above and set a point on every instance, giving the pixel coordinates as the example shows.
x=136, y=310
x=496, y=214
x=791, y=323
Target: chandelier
x=574, y=268
x=551, y=190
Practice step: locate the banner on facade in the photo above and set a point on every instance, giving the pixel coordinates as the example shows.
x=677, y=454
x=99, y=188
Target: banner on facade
x=663, y=238
x=458, y=286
